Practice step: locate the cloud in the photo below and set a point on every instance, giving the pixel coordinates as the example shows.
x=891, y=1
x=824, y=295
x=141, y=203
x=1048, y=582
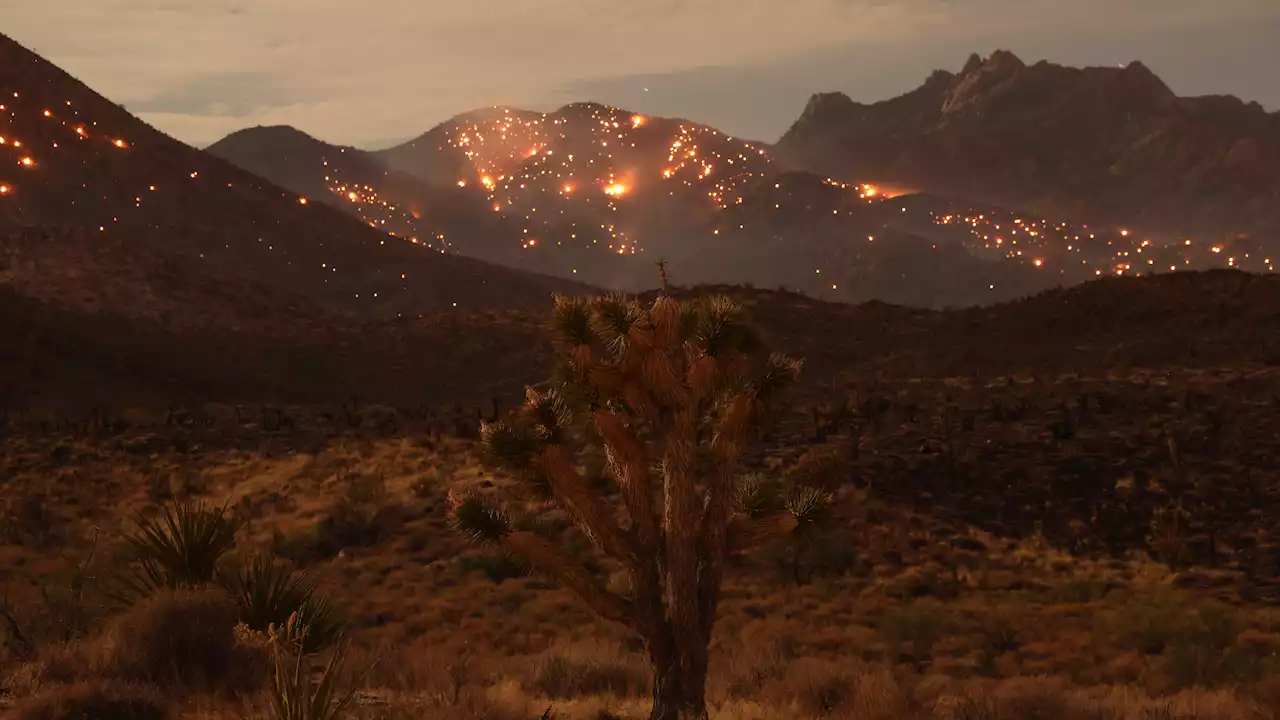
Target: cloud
x=234, y=95
x=352, y=71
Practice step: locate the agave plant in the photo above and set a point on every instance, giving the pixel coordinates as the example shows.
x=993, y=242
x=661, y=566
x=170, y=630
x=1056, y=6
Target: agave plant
x=270, y=594
x=180, y=548
x=294, y=694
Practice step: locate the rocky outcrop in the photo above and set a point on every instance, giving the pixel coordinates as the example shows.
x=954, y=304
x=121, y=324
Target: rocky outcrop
x=1113, y=143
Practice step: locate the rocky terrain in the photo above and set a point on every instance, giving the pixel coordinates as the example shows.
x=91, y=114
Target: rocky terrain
x=597, y=193
x=1109, y=146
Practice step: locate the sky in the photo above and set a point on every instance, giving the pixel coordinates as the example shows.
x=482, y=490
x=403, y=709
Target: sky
x=371, y=73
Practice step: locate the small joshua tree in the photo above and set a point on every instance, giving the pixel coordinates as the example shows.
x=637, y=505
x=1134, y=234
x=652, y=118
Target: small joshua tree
x=672, y=392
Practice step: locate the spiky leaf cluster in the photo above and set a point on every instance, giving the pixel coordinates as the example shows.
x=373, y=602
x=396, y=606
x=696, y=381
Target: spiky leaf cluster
x=479, y=519
x=295, y=694
x=270, y=594
x=181, y=548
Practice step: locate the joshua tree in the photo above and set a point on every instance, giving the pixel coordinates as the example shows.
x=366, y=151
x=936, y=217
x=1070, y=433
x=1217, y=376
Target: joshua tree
x=672, y=392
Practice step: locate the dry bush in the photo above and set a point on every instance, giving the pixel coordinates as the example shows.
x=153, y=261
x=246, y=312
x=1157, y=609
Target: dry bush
x=95, y=700
x=58, y=664
x=1033, y=698
x=816, y=688
x=578, y=673
x=185, y=639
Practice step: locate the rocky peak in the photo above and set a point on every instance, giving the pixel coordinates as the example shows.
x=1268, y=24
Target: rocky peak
x=979, y=77
x=826, y=105
x=1003, y=61
x=1139, y=79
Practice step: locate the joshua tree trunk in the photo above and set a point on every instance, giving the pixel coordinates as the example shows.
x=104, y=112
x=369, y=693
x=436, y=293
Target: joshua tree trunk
x=679, y=679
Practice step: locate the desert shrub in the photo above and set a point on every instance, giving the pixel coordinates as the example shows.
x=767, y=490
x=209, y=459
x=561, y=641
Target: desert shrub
x=748, y=673
x=1170, y=531
x=294, y=694
x=562, y=678
x=848, y=691
x=1147, y=625
x=95, y=700
x=58, y=664
x=1079, y=591
x=26, y=517
x=1205, y=653
x=181, y=548
x=497, y=567
x=914, y=629
x=179, y=638
x=268, y=593
x=361, y=517
x=825, y=694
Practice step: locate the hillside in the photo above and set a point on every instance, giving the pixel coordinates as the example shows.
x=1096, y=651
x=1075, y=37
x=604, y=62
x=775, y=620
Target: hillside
x=1054, y=508
x=1111, y=146
x=76, y=359
x=72, y=160
x=599, y=194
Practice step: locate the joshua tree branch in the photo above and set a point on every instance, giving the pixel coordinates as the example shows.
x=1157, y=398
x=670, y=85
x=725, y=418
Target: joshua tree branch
x=569, y=487
x=632, y=467
x=544, y=557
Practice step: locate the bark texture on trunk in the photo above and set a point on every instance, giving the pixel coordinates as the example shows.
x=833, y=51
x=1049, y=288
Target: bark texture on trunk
x=679, y=680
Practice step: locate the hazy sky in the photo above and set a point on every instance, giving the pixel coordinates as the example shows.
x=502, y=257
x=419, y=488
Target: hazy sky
x=372, y=72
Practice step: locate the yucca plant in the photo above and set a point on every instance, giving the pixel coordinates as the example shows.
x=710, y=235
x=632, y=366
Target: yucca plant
x=294, y=693
x=180, y=548
x=269, y=593
x=673, y=392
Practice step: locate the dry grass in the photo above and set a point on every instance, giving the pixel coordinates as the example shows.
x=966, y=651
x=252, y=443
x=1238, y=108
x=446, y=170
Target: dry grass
x=96, y=700
x=180, y=640
x=911, y=611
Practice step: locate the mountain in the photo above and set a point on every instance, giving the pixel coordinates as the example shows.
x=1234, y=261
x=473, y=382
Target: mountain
x=72, y=162
x=600, y=194
x=1101, y=145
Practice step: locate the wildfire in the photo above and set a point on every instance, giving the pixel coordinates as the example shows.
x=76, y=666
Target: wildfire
x=615, y=190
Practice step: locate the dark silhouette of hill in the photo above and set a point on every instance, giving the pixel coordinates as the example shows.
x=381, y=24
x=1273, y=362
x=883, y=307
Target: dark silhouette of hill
x=360, y=184
x=72, y=159
x=79, y=357
x=1100, y=144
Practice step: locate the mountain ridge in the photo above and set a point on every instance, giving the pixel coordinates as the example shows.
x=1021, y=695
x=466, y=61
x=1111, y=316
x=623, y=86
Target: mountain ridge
x=72, y=158
x=1112, y=145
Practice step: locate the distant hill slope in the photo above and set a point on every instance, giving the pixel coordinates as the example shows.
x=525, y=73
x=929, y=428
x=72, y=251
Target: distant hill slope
x=72, y=159
x=1099, y=144
x=600, y=194
x=74, y=359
